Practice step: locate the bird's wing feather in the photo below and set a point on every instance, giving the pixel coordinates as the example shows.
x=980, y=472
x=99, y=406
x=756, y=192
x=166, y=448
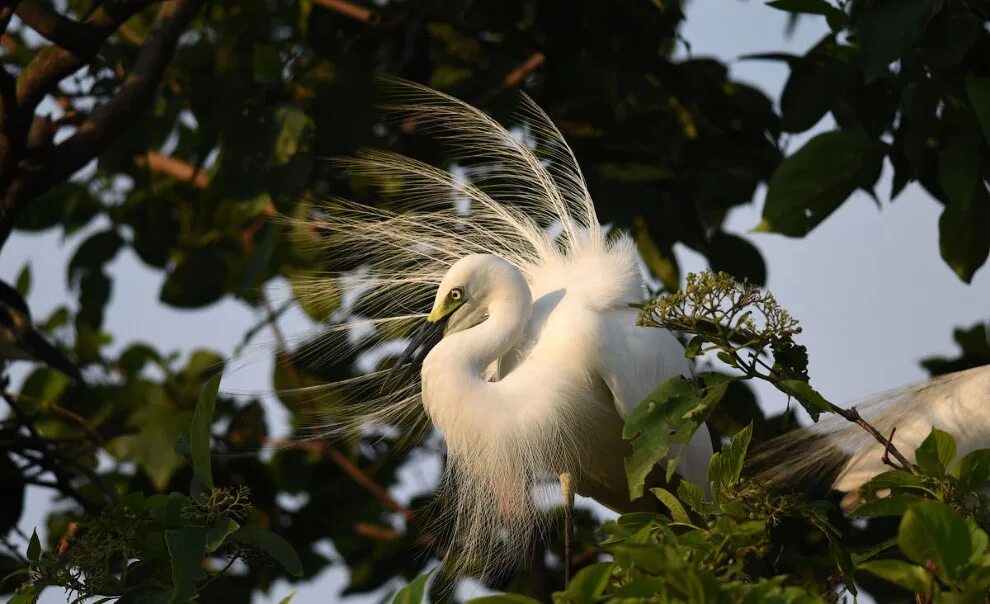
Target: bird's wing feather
x=633, y=361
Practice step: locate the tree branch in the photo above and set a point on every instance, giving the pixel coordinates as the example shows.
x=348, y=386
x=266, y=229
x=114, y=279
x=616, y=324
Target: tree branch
x=67, y=33
x=97, y=131
x=348, y=9
x=174, y=167
x=54, y=63
x=63, y=481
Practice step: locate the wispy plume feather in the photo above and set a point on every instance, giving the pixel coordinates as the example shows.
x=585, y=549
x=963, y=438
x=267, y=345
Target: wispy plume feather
x=513, y=192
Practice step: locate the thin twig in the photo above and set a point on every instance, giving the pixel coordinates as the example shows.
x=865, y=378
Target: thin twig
x=354, y=472
x=349, y=9
x=52, y=462
x=516, y=76
x=174, y=167
x=886, y=450
x=63, y=482
x=357, y=474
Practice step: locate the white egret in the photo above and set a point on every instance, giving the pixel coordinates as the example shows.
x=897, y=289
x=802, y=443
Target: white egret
x=530, y=354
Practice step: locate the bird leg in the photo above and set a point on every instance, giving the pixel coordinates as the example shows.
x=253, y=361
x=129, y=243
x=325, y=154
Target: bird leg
x=567, y=489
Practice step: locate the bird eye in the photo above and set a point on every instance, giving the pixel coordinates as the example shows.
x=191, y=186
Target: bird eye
x=456, y=293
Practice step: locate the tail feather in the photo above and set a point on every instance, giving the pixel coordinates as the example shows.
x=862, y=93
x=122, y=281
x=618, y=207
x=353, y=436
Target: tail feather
x=844, y=455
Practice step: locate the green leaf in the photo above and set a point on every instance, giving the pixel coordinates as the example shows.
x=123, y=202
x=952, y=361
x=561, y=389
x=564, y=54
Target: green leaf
x=810, y=91
x=94, y=294
x=221, y=529
x=413, y=592
x=643, y=587
x=287, y=599
x=726, y=465
x=34, y=547
x=973, y=469
x=907, y=576
x=92, y=254
x=894, y=478
x=813, y=402
x=677, y=511
x=811, y=7
x=931, y=532
x=935, y=454
x=892, y=505
x=669, y=416
x=136, y=356
x=964, y=226
x=692, y=495
x=693, y=347
x=886, y=29
x=23, y=282
x=503, y=599
x=726, y=358
x=45, y=384
x=272, y=544
x=199, y=430
x=167, y=509
x=267, y=64
x=318, y=304
x=158, y=425
x=198, y=278
x=979, y=540
x=978, y=91
x=659, y=258
x=27, y=595
x=186, y=550
x=589, y=583
x=69, y=204
x=813, y=182
x=293, y=137
x=736, y=256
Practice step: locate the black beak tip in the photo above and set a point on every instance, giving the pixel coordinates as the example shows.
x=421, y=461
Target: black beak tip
x=420, y=344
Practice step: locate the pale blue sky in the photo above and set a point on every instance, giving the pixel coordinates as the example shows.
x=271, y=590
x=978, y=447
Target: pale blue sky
x=868, y=285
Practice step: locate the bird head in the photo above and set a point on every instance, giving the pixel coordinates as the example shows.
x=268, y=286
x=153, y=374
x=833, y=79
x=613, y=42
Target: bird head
x=468, y=289
x=471, y=287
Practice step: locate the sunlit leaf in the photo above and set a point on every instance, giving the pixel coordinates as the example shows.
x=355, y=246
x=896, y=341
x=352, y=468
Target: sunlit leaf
x=199, y=430
x=413, y=592
x=932, y=533
x=903, y=574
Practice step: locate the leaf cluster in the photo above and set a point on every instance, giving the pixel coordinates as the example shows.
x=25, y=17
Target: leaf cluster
x=905, y=81
x=733, y=545
x=154, y=549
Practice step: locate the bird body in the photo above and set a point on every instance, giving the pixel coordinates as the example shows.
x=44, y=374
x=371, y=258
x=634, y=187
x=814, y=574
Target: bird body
x=524, y=388
x=540, y=357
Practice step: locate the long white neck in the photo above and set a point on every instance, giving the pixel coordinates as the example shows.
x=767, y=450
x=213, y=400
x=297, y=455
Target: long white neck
x=454, y=371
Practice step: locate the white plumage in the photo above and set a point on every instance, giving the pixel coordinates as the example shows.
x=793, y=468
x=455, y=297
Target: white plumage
x=958, y=403
x=542, y=358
